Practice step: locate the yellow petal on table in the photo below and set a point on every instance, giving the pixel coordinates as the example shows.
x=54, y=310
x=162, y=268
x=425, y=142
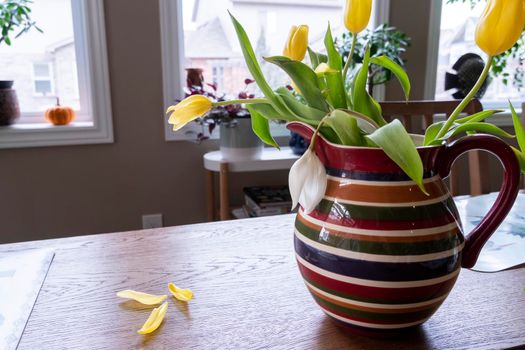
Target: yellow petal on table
x=143, y=298
x=179, y=293
x=154, y=320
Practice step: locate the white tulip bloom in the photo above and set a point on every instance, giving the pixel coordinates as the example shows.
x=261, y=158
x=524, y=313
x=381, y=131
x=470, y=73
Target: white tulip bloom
x=307, y=181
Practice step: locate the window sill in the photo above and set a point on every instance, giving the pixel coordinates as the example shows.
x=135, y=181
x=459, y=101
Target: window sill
x=43, y=134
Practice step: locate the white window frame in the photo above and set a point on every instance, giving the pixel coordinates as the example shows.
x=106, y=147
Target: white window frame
x=50, y=78
x=503, y=119
x=93, y=75
x=172, y=41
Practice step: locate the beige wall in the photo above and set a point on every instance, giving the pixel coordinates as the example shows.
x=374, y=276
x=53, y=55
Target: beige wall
x=59, y=191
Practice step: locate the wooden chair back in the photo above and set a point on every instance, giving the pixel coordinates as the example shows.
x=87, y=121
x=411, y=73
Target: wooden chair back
x=424, y=112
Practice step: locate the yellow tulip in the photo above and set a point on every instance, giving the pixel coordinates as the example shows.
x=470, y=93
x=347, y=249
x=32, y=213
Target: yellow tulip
x=357, y=15
x=323, y=68
x=297, y=43
x=188, y=109
x=500, y=25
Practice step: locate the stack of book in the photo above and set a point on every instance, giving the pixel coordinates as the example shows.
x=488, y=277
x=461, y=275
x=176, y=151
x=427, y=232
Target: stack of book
x=266, y=201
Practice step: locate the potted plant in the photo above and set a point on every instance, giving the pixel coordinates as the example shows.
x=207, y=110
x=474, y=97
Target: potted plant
x=237, y=139
x=377, y=238
x=384, y=40
x=14, y=20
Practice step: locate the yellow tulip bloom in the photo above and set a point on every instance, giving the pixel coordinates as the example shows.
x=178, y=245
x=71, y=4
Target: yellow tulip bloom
x=297, y=43
x=500, y=25
x=357, y=15
x=179, y=293
x=323, y=68
x=188, y=109
x=143, y=298
x=154, y=320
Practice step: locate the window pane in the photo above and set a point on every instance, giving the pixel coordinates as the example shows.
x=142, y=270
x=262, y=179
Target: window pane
x=43, y=87
x=458, y=24
x=43, y=65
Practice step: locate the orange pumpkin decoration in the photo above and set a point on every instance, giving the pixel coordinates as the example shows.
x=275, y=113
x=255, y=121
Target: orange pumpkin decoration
x=60, y=115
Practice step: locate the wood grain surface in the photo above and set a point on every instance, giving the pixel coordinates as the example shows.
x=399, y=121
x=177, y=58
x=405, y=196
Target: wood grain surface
x=248, y=295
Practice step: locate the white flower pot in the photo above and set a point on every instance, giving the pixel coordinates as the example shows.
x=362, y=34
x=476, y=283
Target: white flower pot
x=239, y=142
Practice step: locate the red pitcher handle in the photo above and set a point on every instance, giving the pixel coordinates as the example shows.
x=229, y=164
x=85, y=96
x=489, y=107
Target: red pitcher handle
x=475, y=240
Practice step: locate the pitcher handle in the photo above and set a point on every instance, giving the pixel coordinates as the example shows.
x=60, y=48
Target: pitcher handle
x=475, y=240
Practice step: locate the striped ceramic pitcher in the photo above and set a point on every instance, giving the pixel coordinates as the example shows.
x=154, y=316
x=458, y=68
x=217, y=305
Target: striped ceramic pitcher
x=377, y=254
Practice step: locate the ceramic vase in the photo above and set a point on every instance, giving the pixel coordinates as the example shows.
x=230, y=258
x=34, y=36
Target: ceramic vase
x=377, y=254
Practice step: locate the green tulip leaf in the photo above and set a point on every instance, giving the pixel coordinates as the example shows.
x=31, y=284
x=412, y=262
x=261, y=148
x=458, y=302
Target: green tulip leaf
x=305, y=79
x=518, y=128
x=268, y=112
x=316, y=58
x=306, y=113
x=366, y=124
x=398, y=145
x=255, y=69
x=478, y=117
x=261, y=127
x=521, y=158
x=432, y=132
x=485, y=128
x=335, y=61
x=395, y=68
x=335, y=89
x=345, y=126
x=330, y=135
x=361, y=99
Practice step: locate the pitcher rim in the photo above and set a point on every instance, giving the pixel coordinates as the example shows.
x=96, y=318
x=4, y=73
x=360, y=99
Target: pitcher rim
x=361, y=147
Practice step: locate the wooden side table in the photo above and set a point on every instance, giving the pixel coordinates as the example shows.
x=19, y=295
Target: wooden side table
x=271, y=159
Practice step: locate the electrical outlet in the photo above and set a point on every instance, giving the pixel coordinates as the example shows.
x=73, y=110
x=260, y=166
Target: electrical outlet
x=151, y=221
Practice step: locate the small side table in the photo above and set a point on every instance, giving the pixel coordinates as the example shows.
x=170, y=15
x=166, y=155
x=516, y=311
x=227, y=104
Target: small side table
x=271, y=159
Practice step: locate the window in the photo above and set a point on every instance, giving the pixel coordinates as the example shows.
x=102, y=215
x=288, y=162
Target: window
x=67, y=61
x=199, y=34
x=42, y=79
x=456, y=38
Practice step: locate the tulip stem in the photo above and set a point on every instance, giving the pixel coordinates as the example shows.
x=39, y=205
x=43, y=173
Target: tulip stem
x=314, y=136
x=240, y=101
x=350, y=56
x=467, y=99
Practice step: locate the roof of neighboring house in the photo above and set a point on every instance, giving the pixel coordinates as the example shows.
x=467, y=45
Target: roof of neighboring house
x=60, y=44
x=208, y=41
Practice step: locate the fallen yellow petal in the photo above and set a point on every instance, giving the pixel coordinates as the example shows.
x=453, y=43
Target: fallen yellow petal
x=179, y=293
x=143, y=298
x=154, y=320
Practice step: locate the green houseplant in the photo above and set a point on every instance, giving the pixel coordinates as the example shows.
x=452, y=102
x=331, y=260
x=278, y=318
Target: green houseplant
x=384, y=40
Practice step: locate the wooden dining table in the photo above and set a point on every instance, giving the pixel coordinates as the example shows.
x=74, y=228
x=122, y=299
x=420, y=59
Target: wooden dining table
x=248, y=295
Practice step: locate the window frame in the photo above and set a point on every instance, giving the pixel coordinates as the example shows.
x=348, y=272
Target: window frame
x=94, y=90
x=172, y=44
